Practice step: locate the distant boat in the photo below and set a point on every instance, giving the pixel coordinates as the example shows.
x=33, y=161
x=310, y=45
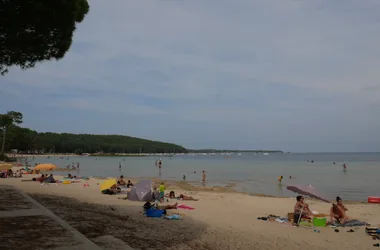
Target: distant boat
x=266, y=154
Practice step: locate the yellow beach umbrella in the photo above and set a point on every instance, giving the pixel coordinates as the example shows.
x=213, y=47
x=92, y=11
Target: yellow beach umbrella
x=5, y=166
x=107, y=184
x=45, y=167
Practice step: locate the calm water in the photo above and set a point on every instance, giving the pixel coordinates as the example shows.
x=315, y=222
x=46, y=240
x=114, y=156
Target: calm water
x=252, y=173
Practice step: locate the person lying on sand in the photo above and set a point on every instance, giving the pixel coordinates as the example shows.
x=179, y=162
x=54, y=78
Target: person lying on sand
x=187, y=198
x=149, y=205
x=338, y=212
x=40, y=179
x=303, y=207
x=171, y=195
x=121, y=181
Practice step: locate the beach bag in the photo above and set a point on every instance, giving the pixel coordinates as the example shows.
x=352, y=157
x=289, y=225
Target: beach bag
x=107, y=191
x=155, y=213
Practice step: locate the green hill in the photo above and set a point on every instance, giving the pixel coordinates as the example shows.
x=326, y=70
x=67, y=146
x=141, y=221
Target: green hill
x=24, y=140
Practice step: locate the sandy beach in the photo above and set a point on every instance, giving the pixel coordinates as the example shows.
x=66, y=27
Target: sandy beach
x=222, y=219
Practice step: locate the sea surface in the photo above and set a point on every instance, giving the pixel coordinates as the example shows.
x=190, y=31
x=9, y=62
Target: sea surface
x=253, y=174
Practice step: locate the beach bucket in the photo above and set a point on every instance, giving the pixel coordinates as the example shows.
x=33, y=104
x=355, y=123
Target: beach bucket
x=319, y=222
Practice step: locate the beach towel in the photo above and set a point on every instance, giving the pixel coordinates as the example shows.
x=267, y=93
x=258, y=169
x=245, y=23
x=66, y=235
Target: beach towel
x=155, y=213
x=173, y=217
x=183, y=206
x=351, y=223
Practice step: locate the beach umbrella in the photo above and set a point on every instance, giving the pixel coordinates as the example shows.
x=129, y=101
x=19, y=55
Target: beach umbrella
x=45, y=167
x=307, y=190
x=107, y=184
x=142, y=191
x=5, y=166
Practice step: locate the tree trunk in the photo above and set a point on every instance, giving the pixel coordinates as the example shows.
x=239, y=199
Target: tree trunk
x=3, y=144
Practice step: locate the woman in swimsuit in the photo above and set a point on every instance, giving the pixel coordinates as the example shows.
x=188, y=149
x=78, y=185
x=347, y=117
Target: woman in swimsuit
x=302, y=206
x=338, y=212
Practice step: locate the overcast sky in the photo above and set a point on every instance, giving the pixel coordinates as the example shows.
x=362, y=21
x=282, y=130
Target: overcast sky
x=295, y=75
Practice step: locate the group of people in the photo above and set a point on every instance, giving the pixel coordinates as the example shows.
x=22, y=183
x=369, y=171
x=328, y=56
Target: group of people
x=44, y=178
x=338, y=212
x=203, y=177
x=9, y=173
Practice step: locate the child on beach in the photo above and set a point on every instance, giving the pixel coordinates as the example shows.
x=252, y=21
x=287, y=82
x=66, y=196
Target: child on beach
x=155, y=194
x=162, y=191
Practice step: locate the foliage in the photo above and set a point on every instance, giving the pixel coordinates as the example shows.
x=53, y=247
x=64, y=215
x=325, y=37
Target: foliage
x=25, y=139
x=36, y=30
x=5, y=158
x=6, y=121
x=232, y=151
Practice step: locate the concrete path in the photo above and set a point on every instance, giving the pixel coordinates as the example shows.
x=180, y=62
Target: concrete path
x=25, y=222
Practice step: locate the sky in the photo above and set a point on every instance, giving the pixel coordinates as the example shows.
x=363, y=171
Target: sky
x=293, y=75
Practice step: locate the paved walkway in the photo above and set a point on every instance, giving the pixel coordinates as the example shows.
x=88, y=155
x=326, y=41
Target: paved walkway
x=26, y=224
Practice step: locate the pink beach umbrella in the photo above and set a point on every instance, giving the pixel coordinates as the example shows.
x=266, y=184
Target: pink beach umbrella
x=307, y=190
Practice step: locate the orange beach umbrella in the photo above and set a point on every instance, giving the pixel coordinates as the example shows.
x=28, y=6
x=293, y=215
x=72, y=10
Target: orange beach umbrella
x=45, y=167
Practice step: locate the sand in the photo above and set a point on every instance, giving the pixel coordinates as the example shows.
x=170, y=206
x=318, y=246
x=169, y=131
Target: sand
x=222, y=219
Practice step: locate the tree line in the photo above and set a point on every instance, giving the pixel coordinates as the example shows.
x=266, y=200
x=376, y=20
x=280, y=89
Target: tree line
x=29, y=141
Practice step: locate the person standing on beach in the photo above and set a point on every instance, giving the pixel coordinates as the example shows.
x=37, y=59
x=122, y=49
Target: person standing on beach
x=162, y=192
x=203, y=176
x=159, y=163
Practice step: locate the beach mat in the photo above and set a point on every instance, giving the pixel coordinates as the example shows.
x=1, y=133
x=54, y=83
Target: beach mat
x=351, y=223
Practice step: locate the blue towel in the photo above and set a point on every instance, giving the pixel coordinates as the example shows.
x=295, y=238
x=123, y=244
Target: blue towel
x=173, y=217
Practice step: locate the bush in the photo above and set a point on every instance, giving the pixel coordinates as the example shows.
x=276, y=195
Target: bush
x=5, y=158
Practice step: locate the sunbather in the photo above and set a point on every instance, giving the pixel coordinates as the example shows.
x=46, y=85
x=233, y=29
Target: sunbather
x=338, y=212
x=302, y=207
x=187, y=198
x=171, y=195
x=129, y=184
x=121, y=181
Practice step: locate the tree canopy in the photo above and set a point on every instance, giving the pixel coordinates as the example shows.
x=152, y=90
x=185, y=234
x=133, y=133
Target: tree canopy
x=25, y=139
x=36, y=30
x=7, y=121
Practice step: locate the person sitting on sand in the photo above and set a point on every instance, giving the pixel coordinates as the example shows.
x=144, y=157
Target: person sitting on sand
x=303, y=207
x=129, y=184
x=69, y=176
x=121, y=181
x=10, y=173
x=50, y=179
x=338, y=212
x=18, y=174
x=171, y=195
x=112, y=190
x=155, y=194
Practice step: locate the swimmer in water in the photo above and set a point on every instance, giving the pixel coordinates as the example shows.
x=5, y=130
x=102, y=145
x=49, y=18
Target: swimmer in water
x=279, y=179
